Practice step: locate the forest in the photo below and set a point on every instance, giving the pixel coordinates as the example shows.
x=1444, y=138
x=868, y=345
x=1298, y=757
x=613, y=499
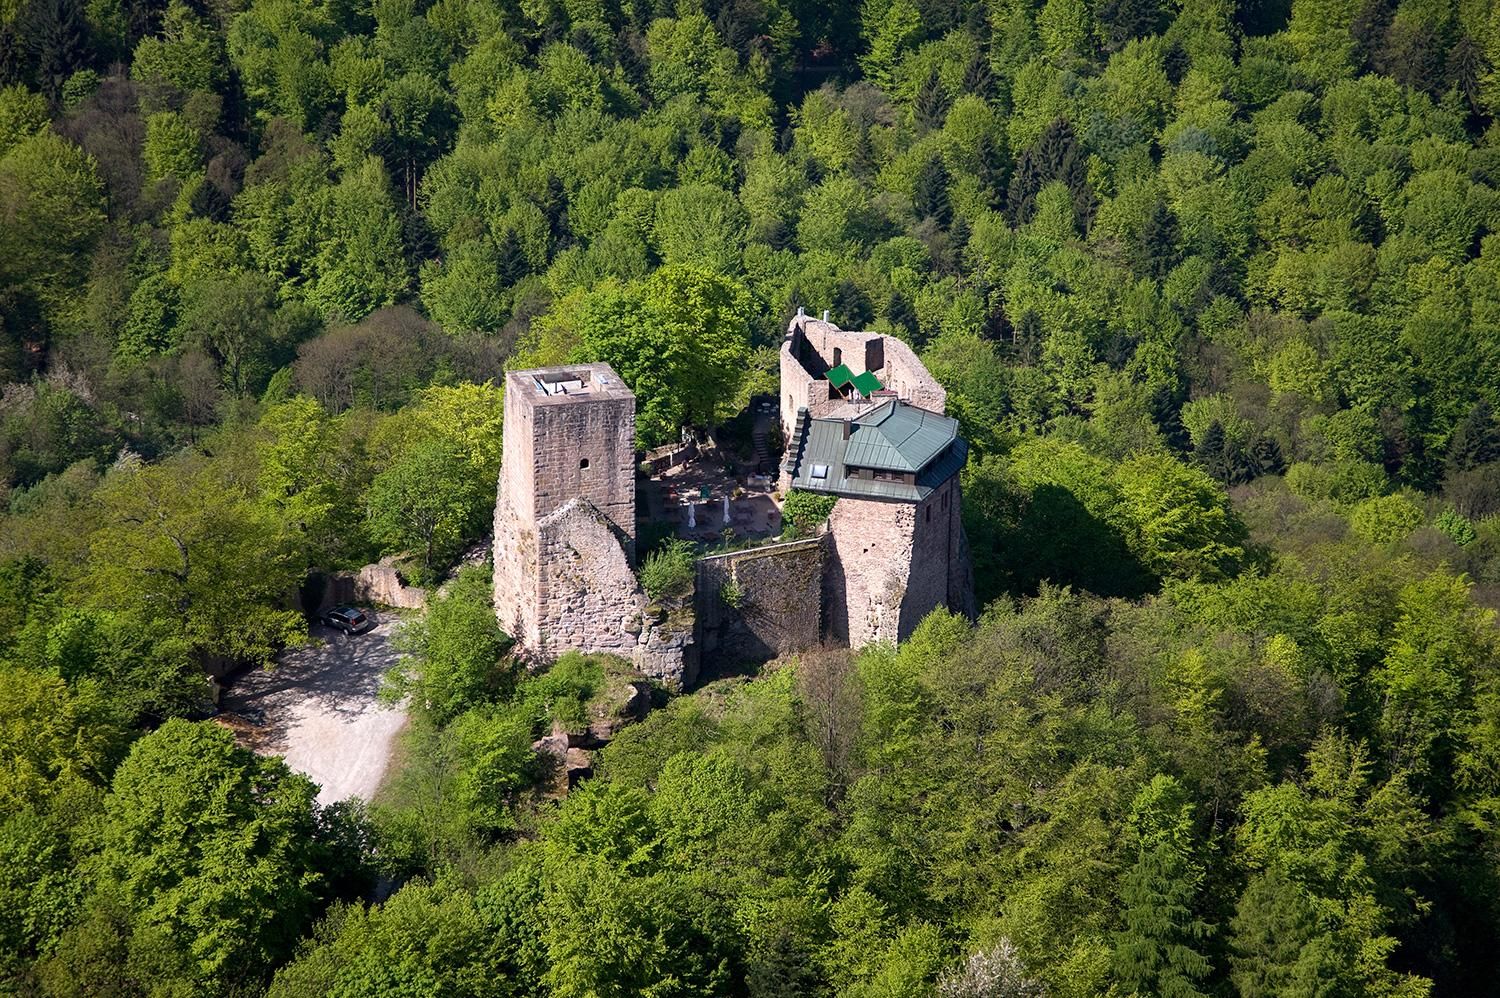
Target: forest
x=1214, y=290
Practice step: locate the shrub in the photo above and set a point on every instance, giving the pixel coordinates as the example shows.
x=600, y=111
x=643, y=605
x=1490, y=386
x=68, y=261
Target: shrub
x=668, y=572
x=453, y=656
x=563, y=692
x=732, y=595
x=804, y=511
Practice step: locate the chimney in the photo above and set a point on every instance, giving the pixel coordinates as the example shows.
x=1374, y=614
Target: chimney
x=848, y=426
x=825, y=315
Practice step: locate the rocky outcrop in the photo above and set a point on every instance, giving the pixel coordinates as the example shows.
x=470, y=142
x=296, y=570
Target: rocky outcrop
x=571, y=750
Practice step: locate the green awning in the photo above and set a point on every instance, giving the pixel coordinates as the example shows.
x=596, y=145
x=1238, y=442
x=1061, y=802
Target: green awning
x=840, y=376
x=867, y=384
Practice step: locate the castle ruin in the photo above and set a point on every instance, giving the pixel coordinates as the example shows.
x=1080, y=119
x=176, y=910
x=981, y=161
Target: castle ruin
x=565, y=522
x=863, y=421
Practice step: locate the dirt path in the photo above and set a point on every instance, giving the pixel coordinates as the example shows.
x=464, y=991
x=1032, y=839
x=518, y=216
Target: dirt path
x=318, y=709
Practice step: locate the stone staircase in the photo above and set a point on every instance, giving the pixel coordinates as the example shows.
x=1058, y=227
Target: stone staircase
x=796, y=442
x=760, y=437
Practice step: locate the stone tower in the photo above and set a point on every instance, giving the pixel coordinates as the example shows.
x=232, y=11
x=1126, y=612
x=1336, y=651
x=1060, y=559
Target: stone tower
x=565, y=512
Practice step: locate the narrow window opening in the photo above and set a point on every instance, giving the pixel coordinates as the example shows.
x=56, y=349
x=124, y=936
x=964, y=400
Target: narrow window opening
x=584, y=464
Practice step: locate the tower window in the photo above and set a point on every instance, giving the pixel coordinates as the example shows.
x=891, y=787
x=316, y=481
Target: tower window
x=584, y=464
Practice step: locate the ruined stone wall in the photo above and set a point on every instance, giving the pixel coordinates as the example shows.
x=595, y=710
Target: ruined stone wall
x=890, y=359
x=383, y=584
x=798, y=387
x=585, y=588
x=779, y=607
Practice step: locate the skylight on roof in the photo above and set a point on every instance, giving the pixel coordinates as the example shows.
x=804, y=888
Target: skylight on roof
x=820, y=471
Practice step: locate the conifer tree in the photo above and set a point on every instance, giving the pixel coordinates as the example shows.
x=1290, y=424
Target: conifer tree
x=1026, y=338
x=1159, y=236
x=1055, y=156
x=510, y=258
x=932, y=102
x=979, y=80
x=851, y=305
x=1211, y=452
x=1266, y=458
x=930, y=193
x=1157, y=954
x=989, y=167
x=899, y=311
x=1121, y=20
x=1475, y=440
x=57, y=34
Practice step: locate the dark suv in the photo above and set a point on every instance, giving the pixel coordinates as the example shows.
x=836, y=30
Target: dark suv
x=349, y=619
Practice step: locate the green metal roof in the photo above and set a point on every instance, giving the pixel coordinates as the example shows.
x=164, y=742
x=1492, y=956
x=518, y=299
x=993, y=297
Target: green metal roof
x=867, y=384
x=893, y=436
x=840, y=376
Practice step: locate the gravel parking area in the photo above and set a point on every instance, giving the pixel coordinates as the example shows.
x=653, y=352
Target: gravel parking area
x=318, y=709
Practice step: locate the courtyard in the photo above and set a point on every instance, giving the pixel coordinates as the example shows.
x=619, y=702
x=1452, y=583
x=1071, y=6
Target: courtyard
x=716, y=491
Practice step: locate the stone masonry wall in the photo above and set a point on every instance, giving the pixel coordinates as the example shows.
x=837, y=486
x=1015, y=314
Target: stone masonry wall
x=600, y=432
x=869, y=564
x=588, y=599
x=585, y=588
x=890, y=564
x=780, y=602
x=937, y=543
x=515, y=570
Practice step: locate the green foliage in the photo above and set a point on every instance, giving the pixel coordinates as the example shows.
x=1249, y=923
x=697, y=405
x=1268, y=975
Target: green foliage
x=22, y=114
x=1185, y=526
x=232, y=888
x=1385, y=519
x=426, y=939
x=425, y=503
x=680, y=340
x=171, y=147
x=1152, y=252
x=805, y=511
x=1456, y=527
x=667, y=573
x=182, y=551
x=1157, y=952
x=452, y=656
x=51, y=211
